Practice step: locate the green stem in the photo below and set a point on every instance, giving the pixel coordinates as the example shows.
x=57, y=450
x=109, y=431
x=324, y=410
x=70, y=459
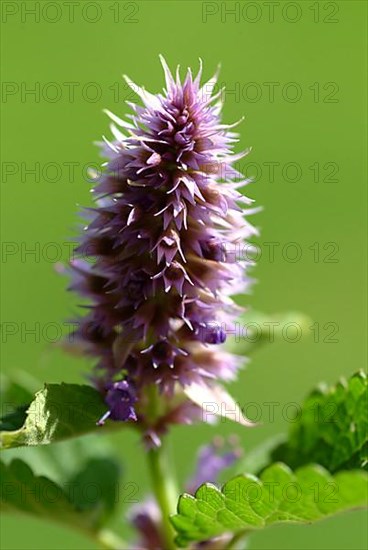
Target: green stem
x=164, y=491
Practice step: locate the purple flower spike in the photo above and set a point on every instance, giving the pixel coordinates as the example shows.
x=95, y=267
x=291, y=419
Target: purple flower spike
x=163, y=237
x=120, y=398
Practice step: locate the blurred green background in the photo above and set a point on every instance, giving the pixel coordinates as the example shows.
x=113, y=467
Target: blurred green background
x=296, y=71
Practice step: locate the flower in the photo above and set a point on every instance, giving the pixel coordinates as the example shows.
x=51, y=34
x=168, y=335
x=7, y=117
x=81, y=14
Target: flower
x=120, y=398
x=146, y=518
x=212, y=460
x=167, y=221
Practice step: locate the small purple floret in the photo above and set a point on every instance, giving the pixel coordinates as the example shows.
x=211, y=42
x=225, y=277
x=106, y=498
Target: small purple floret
x=120, y=399
x=214, y=335
x=212, y=460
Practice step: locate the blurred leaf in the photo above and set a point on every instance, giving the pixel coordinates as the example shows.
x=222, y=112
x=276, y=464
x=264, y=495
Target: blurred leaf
x=258, y=458
x=72, y=503
x=15, y=391
x=15, y=419
x=332, y=428
x=61, y=461
x=255, y=329
x=96, y=488
x=278, y=496
x=57, y=412
x=17, y=388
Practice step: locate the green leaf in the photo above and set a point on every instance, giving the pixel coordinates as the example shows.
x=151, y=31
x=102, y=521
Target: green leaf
x=95, y=488
x=279, y=495
x=14, y=391
x=332, y=428
x=62, y=461
x=14, y=420
x=59, y=411
x=73, y=503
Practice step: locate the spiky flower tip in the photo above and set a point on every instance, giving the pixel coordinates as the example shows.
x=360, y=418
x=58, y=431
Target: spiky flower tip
x=163, y=237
